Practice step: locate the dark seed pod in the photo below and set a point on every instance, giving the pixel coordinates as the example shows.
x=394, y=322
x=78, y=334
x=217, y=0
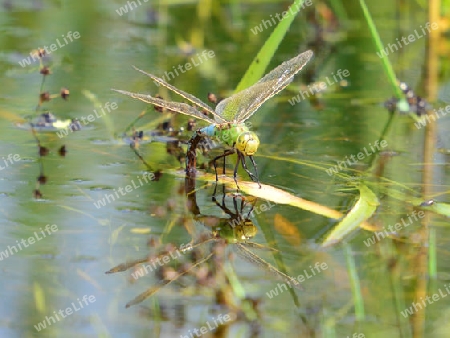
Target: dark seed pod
x=45, y=97
x=45, y=71
x=64, y=93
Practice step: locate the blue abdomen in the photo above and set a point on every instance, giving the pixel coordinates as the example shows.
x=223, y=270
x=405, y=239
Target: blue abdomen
x=208, y=130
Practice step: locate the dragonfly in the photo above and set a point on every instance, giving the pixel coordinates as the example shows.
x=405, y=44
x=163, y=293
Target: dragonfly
x=236, y=230
x=227, y=124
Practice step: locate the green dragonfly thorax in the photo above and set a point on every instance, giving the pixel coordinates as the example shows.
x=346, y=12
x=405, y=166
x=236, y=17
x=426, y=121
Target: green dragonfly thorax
x=239, y=233
x=234, y=135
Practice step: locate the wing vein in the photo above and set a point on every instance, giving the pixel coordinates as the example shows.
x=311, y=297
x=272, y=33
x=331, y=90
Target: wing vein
x=191, y=98
x=178, y=107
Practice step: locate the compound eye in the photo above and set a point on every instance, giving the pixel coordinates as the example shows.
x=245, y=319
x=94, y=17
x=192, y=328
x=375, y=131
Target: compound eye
x=247, y=143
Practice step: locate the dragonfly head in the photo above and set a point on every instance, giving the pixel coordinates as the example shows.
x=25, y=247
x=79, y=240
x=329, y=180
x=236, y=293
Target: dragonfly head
x=247, y=143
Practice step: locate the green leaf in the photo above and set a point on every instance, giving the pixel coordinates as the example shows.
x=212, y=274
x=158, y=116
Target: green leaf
x=363, y=210
x=438, y=207
x=262, y=59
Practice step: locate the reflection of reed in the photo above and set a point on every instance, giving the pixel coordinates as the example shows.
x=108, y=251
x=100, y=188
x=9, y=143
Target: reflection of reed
x=421, y=259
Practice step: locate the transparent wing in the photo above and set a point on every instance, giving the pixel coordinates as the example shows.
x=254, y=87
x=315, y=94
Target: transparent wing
x=183, y=94
x=242, y=105
x=178, y=107
x=152, y=290
x=255, y=259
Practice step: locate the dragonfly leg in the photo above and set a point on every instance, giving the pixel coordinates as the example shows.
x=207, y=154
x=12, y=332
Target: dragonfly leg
x=236, y=169
x=256, y=170
x=214, y=192
x=235, y=205
x=251, y=209
x=224, y=161
x=223, y=206
x=214, y=199
x=253, y=177
x=225, y=154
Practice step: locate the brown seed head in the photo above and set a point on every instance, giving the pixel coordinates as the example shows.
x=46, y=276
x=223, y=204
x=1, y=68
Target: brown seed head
x=44, y=97
x=64, y=93
x=45, y=71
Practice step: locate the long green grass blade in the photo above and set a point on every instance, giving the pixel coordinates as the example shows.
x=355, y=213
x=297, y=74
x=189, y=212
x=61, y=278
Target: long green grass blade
x=379, y=46
x=262, y=59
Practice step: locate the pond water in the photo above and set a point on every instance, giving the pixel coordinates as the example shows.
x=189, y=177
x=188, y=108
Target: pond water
x=69, y=219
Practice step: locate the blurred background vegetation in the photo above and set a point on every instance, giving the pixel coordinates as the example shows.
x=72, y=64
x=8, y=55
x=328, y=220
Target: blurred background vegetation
x=363, y=290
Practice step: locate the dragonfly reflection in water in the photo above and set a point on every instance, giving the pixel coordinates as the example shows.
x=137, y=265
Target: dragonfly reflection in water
x=234, y=231
x=227, y=121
